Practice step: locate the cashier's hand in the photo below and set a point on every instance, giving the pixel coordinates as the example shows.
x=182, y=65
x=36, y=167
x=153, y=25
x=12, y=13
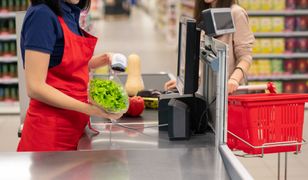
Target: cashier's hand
x=232, y=86
x=100, y=60
x=171, y=84
x=98, y=112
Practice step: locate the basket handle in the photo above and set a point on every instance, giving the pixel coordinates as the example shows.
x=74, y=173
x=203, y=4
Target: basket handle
x=269, y=86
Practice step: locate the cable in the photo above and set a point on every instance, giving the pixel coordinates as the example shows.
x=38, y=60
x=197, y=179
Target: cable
x=205, y=113
x=138, y=129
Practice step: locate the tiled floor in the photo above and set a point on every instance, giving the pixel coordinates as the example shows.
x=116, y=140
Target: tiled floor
x=137, y=34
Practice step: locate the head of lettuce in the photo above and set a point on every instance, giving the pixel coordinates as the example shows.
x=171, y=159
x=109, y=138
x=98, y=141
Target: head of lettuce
x=108, y=95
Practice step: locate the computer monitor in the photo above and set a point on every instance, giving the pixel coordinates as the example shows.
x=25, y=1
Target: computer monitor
x=217, y=21
x=188, y=56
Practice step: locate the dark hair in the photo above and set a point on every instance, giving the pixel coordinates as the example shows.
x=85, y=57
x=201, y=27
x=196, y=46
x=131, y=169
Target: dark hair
x=55, y=5
x=200, y=5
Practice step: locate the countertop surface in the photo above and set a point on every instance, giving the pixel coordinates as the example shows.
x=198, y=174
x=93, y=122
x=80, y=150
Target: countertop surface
x=177, y=163
x=137, y=133
x=136, y=151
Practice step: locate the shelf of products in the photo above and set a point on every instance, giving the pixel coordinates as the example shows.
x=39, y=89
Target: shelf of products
x=281, y=46
x=166, y=19
x=8, y=60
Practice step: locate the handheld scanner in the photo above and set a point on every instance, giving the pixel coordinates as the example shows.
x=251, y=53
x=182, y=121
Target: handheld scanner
x=118, y=62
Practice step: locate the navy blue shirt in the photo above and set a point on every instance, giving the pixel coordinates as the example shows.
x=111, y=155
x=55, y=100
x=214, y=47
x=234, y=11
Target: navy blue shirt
x=41, y=30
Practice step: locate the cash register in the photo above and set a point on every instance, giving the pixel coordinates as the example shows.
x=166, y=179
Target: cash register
x=191, y=111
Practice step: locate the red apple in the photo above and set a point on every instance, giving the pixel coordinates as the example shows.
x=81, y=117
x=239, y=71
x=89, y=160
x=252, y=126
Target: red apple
x=136, y=106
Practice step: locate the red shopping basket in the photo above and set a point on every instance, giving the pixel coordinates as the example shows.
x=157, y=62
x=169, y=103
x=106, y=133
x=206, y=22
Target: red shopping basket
x=262, y=119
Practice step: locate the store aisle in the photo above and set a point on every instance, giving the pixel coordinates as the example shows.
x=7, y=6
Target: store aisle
x=9, y=125
x=137, y=34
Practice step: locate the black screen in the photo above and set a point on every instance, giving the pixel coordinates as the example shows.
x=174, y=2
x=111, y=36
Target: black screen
x=223, y=20
x=188, y=56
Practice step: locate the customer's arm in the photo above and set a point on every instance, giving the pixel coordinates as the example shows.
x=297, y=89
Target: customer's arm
x=243, y=40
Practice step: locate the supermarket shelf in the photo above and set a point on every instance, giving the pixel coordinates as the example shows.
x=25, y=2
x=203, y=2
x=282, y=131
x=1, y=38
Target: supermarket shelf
x=7, y=15
x=9, y=108
x=279, y=13
x=8, y=37
x=281, y=34
x=8, y=59
x=279, y=77
x=281, y=56
x=9, y=81
x=190, y=4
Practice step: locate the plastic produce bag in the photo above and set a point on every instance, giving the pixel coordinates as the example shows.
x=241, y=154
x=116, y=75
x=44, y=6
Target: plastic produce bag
x=108, y=93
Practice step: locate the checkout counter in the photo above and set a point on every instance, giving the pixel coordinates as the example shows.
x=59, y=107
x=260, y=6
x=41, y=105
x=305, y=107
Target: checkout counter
x=135, y=148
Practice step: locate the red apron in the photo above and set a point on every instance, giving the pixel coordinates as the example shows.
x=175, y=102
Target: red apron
x=47, y=128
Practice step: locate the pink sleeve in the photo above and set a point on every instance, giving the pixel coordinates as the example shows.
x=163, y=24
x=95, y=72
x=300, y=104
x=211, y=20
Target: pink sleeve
x=243, y=37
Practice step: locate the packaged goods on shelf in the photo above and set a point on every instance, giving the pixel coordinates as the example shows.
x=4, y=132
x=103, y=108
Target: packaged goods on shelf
x=278, y=24
x=302, y=44
x=266, y=24
x=13, y=5
x=7, y=26
x=265, y=46
x=290, y=4
x=279, y=88
x=290, y=45
x=288, y=86
x=266, y=4
x=277, y=66
x=255, y=24
x=278, y=5
x=8, y=70
x=290, y=23
x=278, y=45
x=265, y=67
x=8, y=93
x=301, y=66
x=289, y=66
x=299, y=86
x=8, y=48
x=256, y=46
x=302, y=4
x=254, y=69
x=301, y=23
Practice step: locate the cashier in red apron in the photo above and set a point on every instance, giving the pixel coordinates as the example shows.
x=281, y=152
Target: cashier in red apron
x=57, y=56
